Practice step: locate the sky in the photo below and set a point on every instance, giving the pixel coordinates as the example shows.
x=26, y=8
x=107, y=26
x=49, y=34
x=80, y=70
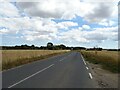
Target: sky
x=84, y=23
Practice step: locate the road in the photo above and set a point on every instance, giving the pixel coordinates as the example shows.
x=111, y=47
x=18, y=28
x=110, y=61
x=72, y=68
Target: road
x=68, y=70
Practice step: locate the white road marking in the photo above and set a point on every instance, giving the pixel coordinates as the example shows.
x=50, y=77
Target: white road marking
x=87, y=68
x=64, y=58
x=30, y=76
x=90, y=75
x=83, y=60
x=60, y=60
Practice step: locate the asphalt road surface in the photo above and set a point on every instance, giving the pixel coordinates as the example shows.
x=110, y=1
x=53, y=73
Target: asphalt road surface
x=68, y=70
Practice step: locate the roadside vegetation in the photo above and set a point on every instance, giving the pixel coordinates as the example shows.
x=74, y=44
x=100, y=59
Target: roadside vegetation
x=13, y=58
x=108, y=59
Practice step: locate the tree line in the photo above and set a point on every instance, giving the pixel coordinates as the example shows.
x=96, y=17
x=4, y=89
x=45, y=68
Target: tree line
x=49, y=46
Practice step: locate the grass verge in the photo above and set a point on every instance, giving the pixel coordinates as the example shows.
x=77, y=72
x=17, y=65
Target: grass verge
x=108, y=60
x=7, y=64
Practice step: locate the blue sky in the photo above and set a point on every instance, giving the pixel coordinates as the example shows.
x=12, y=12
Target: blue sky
x=69, y=22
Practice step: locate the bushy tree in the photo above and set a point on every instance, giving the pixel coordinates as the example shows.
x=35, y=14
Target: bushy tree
x=50, y=46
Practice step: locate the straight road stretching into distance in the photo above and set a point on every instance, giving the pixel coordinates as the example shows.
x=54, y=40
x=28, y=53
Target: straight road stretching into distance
x=68, y=70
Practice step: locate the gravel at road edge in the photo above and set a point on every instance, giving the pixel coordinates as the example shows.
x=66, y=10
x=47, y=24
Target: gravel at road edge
x=104, y=78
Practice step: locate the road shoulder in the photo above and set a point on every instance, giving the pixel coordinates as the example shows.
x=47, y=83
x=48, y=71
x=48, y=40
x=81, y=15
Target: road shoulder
x=104, y=78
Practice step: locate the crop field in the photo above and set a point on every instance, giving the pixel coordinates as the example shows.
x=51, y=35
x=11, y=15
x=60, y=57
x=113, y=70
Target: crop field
x=13, y=58
x=108, y=59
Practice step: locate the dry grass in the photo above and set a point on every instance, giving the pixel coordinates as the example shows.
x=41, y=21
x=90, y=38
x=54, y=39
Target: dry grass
x=108, y=59
x=13, y=58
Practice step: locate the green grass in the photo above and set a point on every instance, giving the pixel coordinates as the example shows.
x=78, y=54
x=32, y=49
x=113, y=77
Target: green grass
x=109, y=60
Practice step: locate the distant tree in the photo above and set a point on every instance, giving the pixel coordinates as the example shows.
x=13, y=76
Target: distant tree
x=56, y=47
x=32, y=46
x=62, y=46
x=50, y=46
x=72, y=48
x=23, y=47
x=43, y=47
x=99, y=49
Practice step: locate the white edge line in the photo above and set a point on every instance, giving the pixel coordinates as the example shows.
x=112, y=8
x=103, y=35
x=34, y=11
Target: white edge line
x=83, y=60
x=30, y=76
x=87, y=68
x=90, y=75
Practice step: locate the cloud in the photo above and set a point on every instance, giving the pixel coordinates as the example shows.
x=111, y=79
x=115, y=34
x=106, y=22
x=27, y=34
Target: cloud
x=3, y=31
x=66, y=25
x=107, y=29
x=96, y=35
x=85, y=26
x=105, y=1
x=45, y=29
x=102, y=34
x=51, y=8
x=14, y=25
x=8, y=10
x=34, y=28
x=72, y=36
x=38, y=24
x=105, y=22
x=66, y=9
x=44, y=9
x=100, y=11
x=30, y=29
x=41, y=29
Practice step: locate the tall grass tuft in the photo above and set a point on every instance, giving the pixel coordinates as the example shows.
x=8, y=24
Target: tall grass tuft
x=108, y=59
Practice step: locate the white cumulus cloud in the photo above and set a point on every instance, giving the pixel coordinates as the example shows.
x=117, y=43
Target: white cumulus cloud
x=68, y=9
x=8, y=10
x=86, y=27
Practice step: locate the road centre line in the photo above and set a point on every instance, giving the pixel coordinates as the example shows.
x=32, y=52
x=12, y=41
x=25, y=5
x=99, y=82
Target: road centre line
x=22, y=65
x=65, y=57
x=30, y=76
x=62, y=59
